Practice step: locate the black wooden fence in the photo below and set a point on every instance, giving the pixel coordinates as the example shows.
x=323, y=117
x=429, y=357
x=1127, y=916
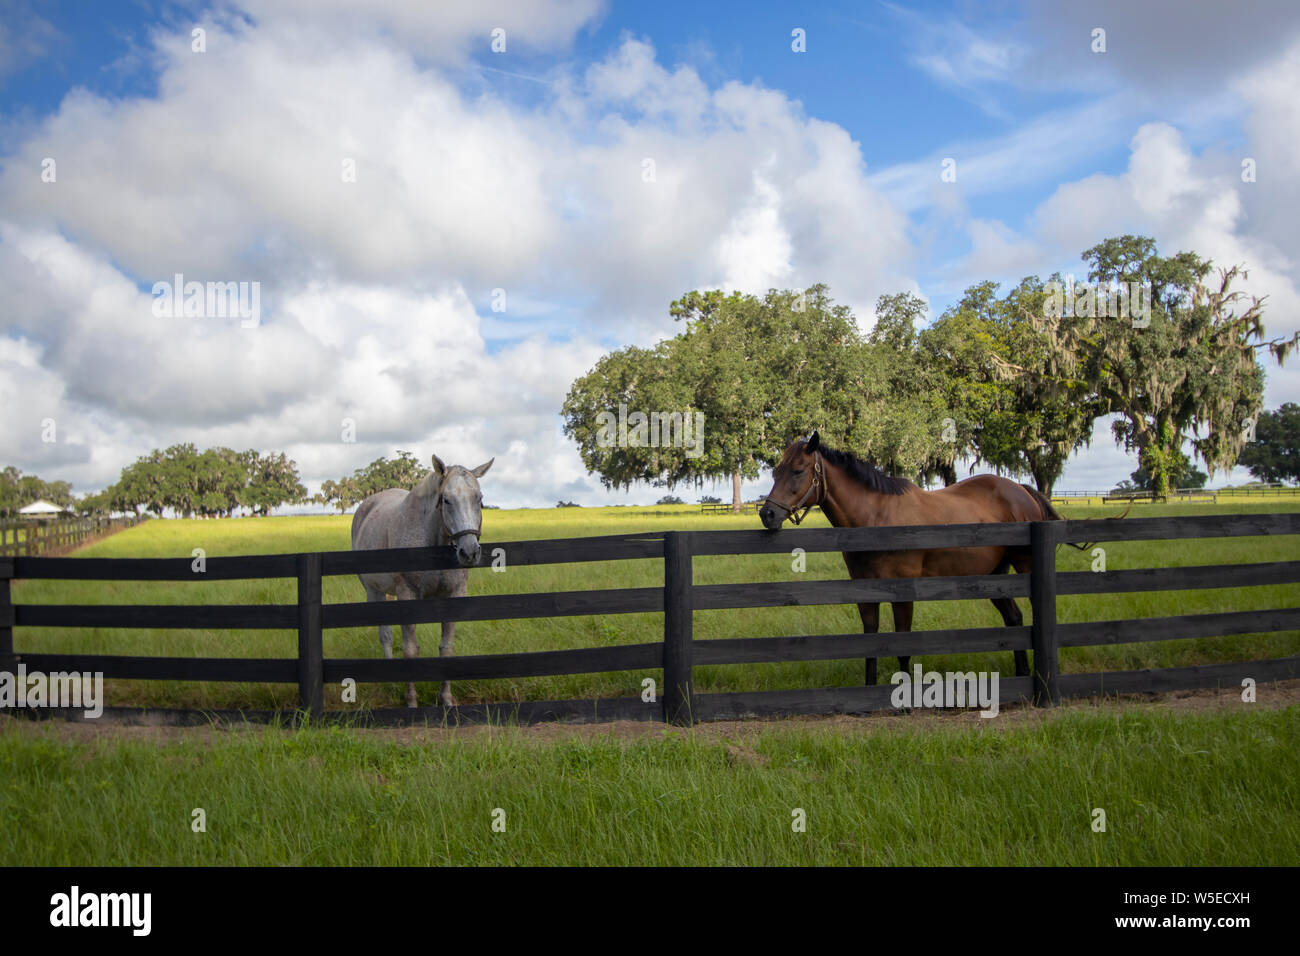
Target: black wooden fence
x=678, y=598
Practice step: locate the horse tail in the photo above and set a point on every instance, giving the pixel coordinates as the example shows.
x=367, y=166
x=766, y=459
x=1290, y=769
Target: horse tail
x=1049, y=513
x=1044, y=504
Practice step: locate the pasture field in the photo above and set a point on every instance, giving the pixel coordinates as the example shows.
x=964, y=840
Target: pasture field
x=1178, y=788
x=177, y=538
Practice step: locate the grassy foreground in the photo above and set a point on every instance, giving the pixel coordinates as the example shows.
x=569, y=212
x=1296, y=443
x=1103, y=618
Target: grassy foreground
x=290, y=534
x=1178, y=789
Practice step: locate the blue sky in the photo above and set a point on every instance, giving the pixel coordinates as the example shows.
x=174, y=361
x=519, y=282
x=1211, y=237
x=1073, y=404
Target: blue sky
x=516, y=178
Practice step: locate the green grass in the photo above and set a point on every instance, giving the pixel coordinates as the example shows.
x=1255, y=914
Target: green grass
x=279, y=535
x=1177, y=790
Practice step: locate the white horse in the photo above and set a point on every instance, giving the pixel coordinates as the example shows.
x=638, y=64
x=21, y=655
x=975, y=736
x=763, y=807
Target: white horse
x=444, y=508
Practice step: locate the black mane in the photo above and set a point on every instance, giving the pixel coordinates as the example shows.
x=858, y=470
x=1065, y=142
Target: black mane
x=865, y=472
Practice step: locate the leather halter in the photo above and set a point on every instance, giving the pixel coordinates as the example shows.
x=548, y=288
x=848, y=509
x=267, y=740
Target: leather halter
x=819, y=481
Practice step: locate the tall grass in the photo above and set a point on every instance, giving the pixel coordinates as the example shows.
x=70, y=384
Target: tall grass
x=1177, y=790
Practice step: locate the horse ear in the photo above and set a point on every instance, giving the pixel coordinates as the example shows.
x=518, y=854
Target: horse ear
x=814, y=440
x=439, y=468
x=481, y=470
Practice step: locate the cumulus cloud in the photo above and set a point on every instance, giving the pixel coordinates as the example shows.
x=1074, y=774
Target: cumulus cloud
x=376, y=292
x=1185, y=202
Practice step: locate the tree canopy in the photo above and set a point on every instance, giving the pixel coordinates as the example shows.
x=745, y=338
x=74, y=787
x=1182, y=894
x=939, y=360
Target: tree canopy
x=1015, y=380
x=1019, y=424
x=1186, y=369
x=1274, y=453
x=759, y=372
x=404, y=471
x=209, y=483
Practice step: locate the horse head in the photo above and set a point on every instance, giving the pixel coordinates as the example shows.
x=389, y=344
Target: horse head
x=798, y=481
x=460, y=507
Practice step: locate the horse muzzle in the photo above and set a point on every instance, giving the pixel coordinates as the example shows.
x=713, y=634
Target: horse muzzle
x=772, y=515
x=467, y=547
x=468, y=551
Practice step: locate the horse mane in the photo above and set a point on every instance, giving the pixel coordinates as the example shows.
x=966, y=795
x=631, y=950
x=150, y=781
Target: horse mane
x=865, y=472
x=428, y=486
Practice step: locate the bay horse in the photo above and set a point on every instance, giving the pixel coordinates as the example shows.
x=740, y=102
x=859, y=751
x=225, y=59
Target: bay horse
x=854, y=494
x=446, y=507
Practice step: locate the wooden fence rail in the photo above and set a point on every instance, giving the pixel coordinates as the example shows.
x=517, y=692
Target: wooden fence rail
x=32, y=536
x=678, y=599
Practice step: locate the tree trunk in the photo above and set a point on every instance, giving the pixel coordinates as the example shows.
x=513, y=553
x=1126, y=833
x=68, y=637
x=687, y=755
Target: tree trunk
x=948, y=473
x=735, y=491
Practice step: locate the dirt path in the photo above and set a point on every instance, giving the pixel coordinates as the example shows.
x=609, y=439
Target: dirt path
x=1272, y=696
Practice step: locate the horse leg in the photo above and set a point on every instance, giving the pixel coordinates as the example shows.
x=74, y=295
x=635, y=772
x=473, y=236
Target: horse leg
x=1010, y=610
x=410, y=649
x=1012, y=617
x=870, y=614
x=385, y=630
x=410, y=646
x=444, y=650
x=902, y=622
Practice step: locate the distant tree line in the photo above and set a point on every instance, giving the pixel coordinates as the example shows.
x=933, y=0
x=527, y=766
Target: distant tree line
x=210, y=483
x=1012, y=380
x=404, y=471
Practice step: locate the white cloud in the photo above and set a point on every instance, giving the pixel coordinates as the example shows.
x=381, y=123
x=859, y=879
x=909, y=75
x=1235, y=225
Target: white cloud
x=1184, y=202
x=369, y=289
x=233, y=173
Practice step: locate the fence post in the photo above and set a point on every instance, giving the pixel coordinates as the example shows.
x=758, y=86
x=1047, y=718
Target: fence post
x=6, y=614
x=678, y=651
x=1043, y=538
x=311, y=650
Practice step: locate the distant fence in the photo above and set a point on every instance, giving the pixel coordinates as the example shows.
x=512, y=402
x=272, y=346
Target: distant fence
x=1264, y=491
x=746, y=507
x=678, y=599
x=34, y=536
x=1180, y=494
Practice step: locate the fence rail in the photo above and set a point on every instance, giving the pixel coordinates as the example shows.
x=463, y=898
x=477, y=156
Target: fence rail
x=714, y=508
x=678, y=599
x=32, y=536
